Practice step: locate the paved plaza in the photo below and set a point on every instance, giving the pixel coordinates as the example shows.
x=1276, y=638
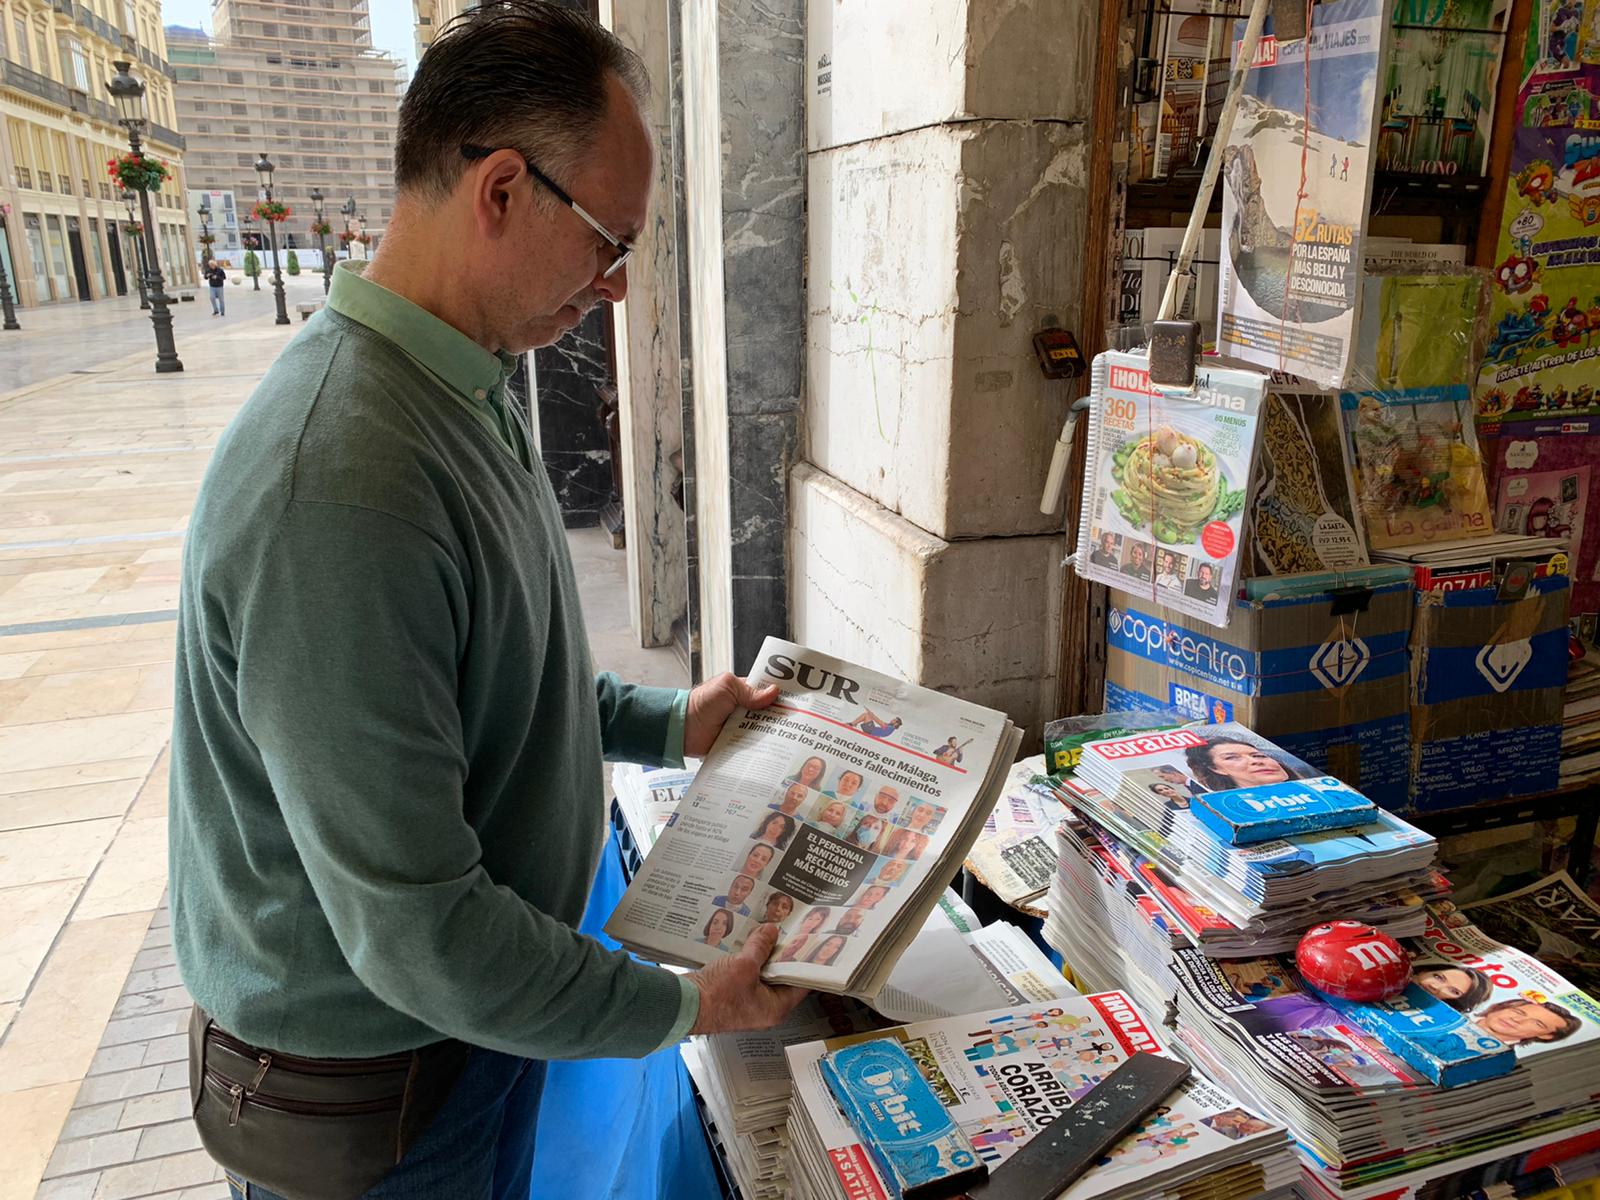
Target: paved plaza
x=99, y=462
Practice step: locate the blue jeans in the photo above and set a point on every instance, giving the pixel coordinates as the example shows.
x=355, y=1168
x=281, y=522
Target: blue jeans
x=217, y=305
x=479, y=1147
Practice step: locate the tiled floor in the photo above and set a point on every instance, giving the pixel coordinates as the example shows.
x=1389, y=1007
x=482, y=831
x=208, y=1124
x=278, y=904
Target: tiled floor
x=97, y=474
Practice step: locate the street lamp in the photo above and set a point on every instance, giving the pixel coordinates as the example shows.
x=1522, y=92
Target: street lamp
x=6, y=310
x=322, y=242
x=128, y=95
x=138, y=263
x=264, y=173
x=205, y=229
x=348, y=208
x=252, y=245
x=366, y=246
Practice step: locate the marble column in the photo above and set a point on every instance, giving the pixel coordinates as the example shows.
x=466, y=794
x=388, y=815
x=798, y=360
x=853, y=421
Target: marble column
x=567, y=378
x=744, y=169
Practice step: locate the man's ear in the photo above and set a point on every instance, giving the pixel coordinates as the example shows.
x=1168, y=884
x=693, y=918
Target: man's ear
x=495, y=194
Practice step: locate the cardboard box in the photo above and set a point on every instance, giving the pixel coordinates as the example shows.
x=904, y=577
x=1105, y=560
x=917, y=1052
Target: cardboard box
x=1487, y=682
x=1325, y=676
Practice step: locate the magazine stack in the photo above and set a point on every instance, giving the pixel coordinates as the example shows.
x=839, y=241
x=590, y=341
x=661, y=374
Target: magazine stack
x=1006, y=1073
x=839, y=813
x=1261, y=897
x=952, y=967
x=1366, y=1123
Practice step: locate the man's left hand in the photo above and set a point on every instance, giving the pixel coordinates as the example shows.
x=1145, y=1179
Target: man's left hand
x=712, y=703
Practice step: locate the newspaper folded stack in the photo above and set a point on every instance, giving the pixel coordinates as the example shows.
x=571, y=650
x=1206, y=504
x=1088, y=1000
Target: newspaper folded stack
x=649, y=796
x=1366, y=1123
x=1006, y=1073
x=1139, y=789
x=1015, y=854
x=839, y=813
x=744, y=1077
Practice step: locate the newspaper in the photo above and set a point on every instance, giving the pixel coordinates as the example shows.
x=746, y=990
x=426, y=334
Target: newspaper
x=1014, y=856
x=1004, y=1075
x=1554, y=920
x=839, y=813
x=1165, y=484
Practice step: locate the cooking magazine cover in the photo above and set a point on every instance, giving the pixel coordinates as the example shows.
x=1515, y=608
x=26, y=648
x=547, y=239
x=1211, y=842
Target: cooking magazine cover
x=1303, y=514
x=1297, y=178
x=1165, y=484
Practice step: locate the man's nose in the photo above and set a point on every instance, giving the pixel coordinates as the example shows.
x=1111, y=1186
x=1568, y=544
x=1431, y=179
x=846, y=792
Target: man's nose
x=613, y=288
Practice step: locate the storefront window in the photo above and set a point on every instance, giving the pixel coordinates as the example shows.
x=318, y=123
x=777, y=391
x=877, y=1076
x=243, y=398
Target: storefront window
x=5, y=256
x=99, y=257
x=41, y=267
x=58, y=257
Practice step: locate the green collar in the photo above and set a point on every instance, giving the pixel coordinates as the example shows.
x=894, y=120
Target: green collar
x=466, y=368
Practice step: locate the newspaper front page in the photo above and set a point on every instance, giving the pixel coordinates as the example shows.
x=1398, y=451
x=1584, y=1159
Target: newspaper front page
x=839, y=813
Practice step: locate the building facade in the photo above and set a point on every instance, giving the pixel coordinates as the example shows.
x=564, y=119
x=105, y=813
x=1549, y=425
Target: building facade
x=300, y=80
x=62, y=235
x=223, y=222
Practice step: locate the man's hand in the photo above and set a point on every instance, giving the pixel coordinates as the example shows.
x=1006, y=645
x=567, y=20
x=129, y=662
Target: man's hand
x=732, y=996
x=712, y=703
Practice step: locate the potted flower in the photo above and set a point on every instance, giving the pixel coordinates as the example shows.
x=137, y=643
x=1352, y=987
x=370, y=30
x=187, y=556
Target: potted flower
x=133, y=228
x=272, y=210
x=138, y=172
x=320, y=229
x=364, y=238
x=208, y=239
x=345, y=238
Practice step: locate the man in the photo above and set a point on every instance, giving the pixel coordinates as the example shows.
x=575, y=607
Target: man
x=387, y=800
x=217, y=279
x=950, y=753
x=872, y=896
x=885, y=800
x=738, y=892
x=875, y=726
x=1137, y=565
x=1176, y=778
x=1105, y=555
x=1204, y=584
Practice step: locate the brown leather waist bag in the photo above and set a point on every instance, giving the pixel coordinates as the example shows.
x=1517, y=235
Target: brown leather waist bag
x=313, y=1128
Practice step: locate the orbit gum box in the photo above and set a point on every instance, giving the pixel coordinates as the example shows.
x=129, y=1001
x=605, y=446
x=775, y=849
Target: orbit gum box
x=920, y=1151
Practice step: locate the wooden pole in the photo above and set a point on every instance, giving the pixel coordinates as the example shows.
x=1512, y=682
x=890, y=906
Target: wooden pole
x=1080, y=661
x=1502, y=133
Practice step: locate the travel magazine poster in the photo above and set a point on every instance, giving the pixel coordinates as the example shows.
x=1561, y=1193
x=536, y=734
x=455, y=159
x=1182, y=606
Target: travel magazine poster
x=1543, y=356
x=1291, y=267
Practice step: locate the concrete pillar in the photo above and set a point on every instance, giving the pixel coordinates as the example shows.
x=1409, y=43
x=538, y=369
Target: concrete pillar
x=946, y=204
x=744, y=165
x=649, y=358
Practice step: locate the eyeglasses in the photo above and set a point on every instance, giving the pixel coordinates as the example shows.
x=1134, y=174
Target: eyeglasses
x=622, y=249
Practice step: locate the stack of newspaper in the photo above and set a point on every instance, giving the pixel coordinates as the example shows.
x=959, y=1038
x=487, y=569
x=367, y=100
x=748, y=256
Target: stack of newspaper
x=649, y=796
x=1006, y=1073
x=953, y=966
x=1259, y=898
x=839, y=813
x=1015, y=854
x=1366, y=1123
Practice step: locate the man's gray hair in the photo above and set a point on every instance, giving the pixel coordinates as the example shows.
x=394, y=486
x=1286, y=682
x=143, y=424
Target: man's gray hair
x=528, y=75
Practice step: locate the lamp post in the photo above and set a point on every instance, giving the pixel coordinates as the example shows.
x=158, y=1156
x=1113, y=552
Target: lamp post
x=128, y=95
x=366, y=246
x=348, y=208
x=252, y=245
x=6, y=310
x=138, y=263
x=264, y=171
x=205, y=229
x=322, y=241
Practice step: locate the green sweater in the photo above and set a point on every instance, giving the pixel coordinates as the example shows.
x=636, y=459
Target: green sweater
x=387, y=801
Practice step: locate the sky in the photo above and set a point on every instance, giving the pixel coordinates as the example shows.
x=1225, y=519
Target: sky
x=393, y=25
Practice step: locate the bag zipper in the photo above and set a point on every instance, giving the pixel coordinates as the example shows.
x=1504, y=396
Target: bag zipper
x=237, y=1093
x=308, y=1066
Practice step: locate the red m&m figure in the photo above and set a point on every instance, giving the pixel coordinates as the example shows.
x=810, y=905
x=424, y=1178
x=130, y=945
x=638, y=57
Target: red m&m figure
x=1353, y=961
